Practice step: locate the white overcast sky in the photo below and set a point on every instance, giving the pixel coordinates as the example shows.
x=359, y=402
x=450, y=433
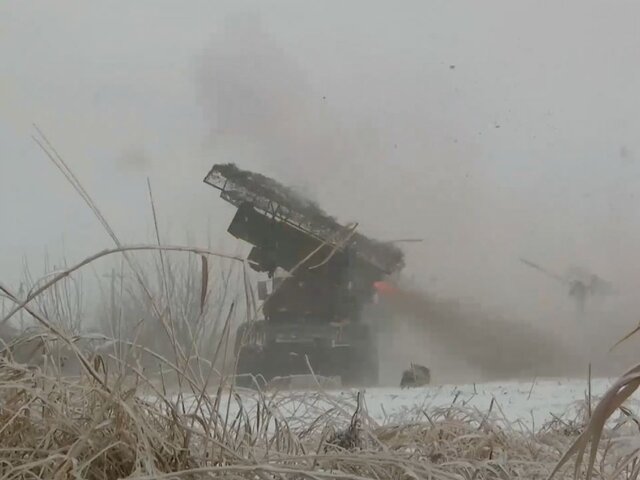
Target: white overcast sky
x=493, y=129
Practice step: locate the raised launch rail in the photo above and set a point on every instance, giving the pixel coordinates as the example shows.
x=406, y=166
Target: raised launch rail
x=273, y=199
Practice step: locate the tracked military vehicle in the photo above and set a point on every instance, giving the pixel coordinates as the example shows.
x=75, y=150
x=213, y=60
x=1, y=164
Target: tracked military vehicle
x=320, y=276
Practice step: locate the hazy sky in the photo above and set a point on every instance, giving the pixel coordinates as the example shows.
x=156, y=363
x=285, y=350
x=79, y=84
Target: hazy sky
x=492, y=129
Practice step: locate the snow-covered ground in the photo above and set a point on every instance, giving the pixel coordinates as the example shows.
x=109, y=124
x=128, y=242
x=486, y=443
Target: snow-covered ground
x=531, y=403
x=528, y=405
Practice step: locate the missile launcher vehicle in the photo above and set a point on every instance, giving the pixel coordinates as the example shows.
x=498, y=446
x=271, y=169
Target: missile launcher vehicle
x=319, y=274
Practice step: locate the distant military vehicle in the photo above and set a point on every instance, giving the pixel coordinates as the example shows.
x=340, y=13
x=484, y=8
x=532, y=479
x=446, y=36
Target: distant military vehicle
x=581, y=284
x=320, y=276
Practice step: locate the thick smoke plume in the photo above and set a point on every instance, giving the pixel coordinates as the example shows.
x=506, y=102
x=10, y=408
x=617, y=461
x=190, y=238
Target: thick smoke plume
x=466, y=342
x=492, y=347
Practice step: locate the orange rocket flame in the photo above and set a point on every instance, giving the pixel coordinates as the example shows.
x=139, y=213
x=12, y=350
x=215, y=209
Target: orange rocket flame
x=384, y=288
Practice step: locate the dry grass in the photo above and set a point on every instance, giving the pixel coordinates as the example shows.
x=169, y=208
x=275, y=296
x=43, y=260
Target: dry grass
x=131, y=426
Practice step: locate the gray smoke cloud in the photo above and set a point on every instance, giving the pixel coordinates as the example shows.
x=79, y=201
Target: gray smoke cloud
x=262, y=105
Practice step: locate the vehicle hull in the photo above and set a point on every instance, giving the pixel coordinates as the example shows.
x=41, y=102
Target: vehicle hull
x=349, y=352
